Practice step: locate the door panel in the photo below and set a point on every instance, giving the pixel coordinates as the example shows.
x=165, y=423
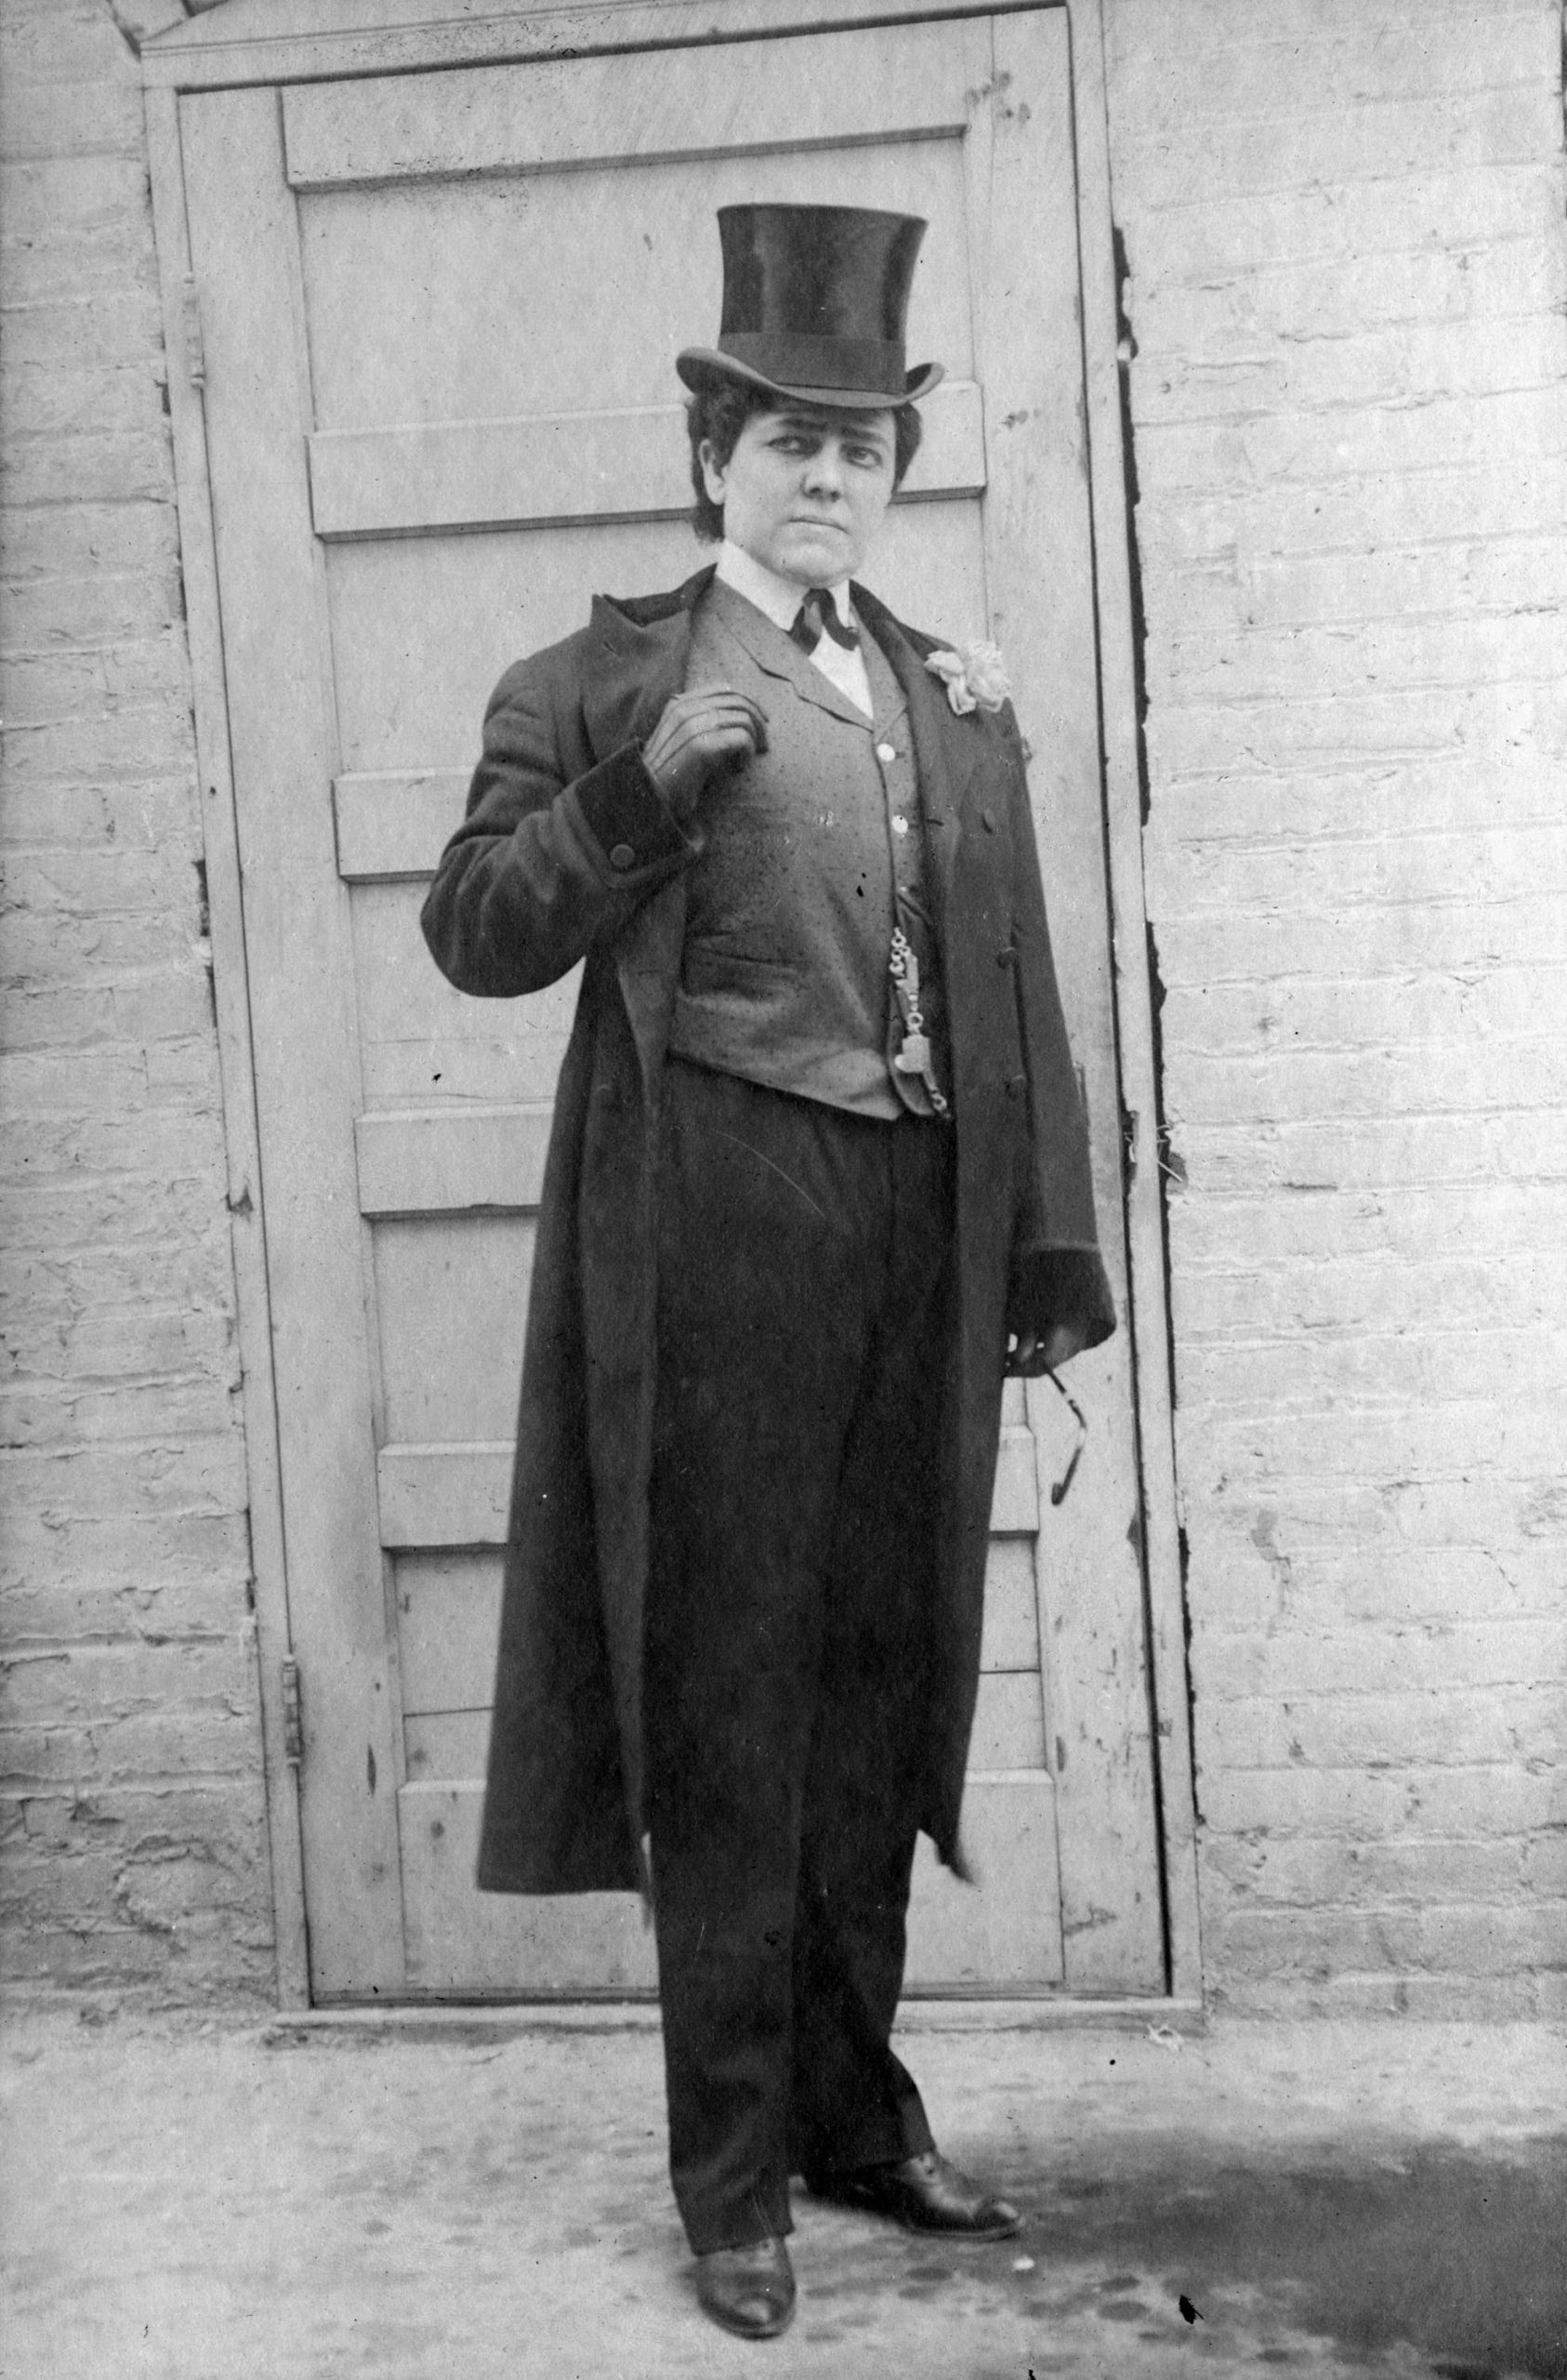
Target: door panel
x=441, y=313
x=709, y=102
x=407, y=613
x=541, y=467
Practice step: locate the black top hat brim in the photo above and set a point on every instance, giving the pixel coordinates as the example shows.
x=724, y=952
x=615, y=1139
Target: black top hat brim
x=697, y=365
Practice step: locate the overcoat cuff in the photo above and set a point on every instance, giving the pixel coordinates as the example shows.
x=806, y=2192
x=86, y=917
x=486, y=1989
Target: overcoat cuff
x=1060, y=1285
x=628, y=830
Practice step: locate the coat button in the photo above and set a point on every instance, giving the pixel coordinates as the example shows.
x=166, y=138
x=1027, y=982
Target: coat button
x=1006, y=958
x=987, y=822
x=887, y=754
x=622, y=856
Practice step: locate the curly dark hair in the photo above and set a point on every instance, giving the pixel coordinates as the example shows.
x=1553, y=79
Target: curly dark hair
x=719, y=410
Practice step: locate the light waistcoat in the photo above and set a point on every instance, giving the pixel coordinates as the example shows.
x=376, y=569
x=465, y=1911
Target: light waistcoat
x=814, y=850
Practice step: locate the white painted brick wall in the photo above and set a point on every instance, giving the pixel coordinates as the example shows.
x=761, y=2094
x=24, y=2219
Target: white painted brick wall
x=132, y=1828
x=1344, y=231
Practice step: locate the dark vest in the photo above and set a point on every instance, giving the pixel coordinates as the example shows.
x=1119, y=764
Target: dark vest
x=814, y=853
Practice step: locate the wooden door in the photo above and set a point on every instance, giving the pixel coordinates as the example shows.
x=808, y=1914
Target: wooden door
x=440, y=315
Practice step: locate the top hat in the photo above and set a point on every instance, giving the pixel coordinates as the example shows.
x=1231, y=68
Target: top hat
x=814, y=305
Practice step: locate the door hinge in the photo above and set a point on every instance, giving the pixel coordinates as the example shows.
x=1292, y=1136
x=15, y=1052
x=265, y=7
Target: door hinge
x=293, y=1713
x=195, y=351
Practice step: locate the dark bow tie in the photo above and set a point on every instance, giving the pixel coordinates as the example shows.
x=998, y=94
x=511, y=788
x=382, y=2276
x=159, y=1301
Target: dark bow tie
x=818, y=612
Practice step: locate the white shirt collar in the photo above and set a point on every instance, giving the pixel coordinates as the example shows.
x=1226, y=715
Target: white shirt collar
x=778, y=598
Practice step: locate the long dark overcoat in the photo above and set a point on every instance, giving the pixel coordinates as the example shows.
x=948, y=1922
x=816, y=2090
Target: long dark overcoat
x=568, y=853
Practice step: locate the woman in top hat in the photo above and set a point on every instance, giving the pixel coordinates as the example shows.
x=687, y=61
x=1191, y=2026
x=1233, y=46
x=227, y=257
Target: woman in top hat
x=818, y=1179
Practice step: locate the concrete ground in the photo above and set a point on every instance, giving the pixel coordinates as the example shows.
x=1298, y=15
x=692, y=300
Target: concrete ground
x=472, y=2199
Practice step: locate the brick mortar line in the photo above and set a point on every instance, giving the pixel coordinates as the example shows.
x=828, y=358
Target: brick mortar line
x=169, y=1442
x=1297, y=1699
x=200, y=1101
x=1447, y=1193
x=1368, y=840
x=1394, y=1775
x=1235, y=201
x=1343, y=1338
x=1555, y=534
x=1164, y=704
x=128, y=1179
x=1311, y=558
x=1246, y=633
x=1247, y=496
x=49, y=503
x=1438, y=906
x=126, y=151
x=1233, y=558
x=1239, y=1414
x=1383, y=768
x=109, y=1050
x=61, y=1788
x=1396, y=1627
x=1202, y=1057
x=1353, y=906
x=130, y=1645
x=185, y=794
x=20, y=507
x=1278, y=1487
x=107, y=711
x=1361, y=333
x=1435, y=1181
x=1334, y=107
x=86, y=1786
x=1386, y=1262
x=1390, y=1780
x=1159, y=494
x=1282, y=417
x=48, y=1183
x=43, y=1389
x=1172, y=851
x=108, y=776
x=59, y=1254
x=1414, y=15
x=1275, y=1485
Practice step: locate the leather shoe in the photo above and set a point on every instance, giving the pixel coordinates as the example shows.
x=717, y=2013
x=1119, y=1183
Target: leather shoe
x=925, y=2193
x=749, y=2290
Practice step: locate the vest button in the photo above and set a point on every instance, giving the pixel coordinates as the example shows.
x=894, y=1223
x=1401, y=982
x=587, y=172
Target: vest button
x=622, y=856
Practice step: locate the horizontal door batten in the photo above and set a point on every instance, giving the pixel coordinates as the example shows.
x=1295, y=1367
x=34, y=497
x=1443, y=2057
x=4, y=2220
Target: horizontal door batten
x=567, y=115
x=545, y=470
x=1009, y=1735
x=394, y=827
x=460, y=1495
x=449, y=1160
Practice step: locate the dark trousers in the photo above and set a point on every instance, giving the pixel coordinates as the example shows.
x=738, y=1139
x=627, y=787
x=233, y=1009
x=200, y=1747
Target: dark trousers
x=805, y=1260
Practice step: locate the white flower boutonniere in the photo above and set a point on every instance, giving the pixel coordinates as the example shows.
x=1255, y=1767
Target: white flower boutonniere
x=975, y=676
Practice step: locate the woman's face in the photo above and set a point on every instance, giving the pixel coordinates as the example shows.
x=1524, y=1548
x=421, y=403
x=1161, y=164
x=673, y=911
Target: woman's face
x=805, y=491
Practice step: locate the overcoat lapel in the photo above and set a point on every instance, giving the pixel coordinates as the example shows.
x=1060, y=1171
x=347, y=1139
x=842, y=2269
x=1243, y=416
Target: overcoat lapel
x=639, y=665
x=638, y=661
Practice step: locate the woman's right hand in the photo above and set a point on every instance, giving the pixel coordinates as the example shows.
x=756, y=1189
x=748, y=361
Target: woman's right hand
x=699, y=731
